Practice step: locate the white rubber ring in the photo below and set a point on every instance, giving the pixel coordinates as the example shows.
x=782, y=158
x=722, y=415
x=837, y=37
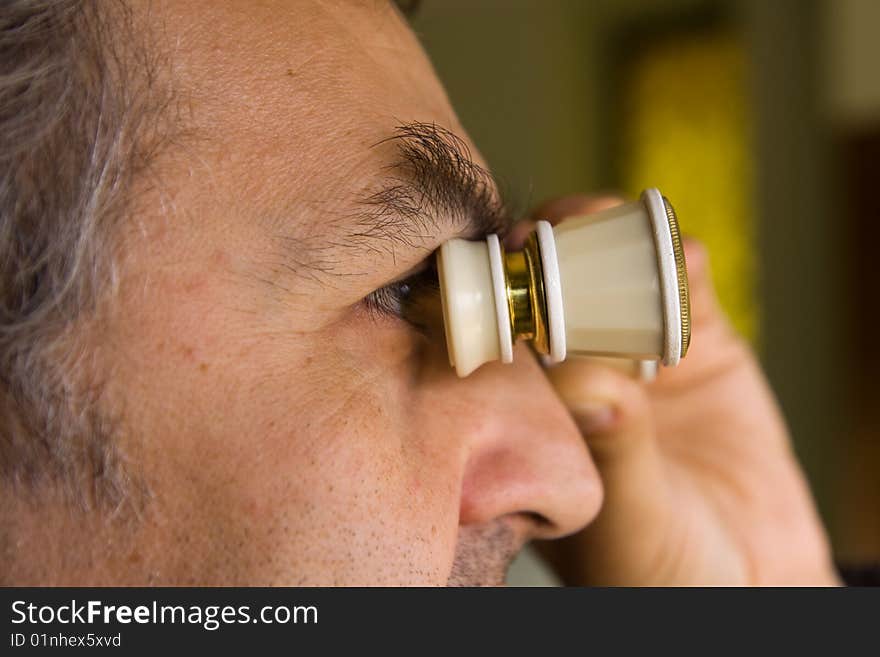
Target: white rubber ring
x=552, y=291
x=653, y=200
x=499, y=288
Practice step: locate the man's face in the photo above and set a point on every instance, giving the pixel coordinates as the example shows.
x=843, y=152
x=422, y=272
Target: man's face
x=291, y=426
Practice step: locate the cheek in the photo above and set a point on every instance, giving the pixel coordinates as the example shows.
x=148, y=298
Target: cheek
x=381, y=504
x=346, y=491
x=305, y=470
x=284, y=459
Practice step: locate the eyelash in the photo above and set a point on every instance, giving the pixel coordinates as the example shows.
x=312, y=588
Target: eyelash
x=393, y=299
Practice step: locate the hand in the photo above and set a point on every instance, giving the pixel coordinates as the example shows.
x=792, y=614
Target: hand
x=701, y=484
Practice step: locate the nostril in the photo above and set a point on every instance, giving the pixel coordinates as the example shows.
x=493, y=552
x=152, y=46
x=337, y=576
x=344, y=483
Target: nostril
x=543, y=527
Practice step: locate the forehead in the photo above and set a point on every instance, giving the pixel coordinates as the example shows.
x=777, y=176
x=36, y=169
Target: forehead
x=300, y=69
x=284, y=104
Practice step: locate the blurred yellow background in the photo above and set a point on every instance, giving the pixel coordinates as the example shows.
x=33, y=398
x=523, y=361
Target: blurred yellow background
x=761, y=122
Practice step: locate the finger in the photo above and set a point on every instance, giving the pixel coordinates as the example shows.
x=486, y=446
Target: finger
x=614, y=415
x=517, y=236
x=704, y=301
x=573, y=205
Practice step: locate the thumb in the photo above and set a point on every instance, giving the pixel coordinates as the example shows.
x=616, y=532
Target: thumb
x=611, y=409
x=614, y=415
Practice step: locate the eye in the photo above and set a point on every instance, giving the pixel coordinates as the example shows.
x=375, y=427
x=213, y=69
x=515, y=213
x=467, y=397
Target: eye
x=408, y=298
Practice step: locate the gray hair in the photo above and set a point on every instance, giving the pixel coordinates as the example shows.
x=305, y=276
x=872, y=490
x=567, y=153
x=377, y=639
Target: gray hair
x=79, y=117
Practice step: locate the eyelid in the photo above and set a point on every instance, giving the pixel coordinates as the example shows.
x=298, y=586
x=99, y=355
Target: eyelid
x=402, y=294
x=413, y=272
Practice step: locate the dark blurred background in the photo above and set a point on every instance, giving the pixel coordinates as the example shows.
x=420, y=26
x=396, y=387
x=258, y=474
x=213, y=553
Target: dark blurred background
x=761, y=121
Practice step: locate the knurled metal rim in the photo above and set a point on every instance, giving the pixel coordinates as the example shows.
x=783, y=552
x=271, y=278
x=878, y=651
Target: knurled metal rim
x=670, y=259
x=684, y=294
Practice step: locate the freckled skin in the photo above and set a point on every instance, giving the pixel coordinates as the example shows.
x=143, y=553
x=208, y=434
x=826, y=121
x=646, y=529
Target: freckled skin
x=285, y=436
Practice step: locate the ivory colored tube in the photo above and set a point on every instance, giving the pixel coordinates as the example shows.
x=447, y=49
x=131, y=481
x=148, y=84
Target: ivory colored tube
x=610, y=283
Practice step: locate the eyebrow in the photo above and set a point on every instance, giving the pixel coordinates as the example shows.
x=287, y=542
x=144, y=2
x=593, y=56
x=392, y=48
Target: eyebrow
x=433, y=185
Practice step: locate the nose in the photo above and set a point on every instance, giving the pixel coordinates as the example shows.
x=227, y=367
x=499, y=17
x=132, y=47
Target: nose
x=524, y=455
